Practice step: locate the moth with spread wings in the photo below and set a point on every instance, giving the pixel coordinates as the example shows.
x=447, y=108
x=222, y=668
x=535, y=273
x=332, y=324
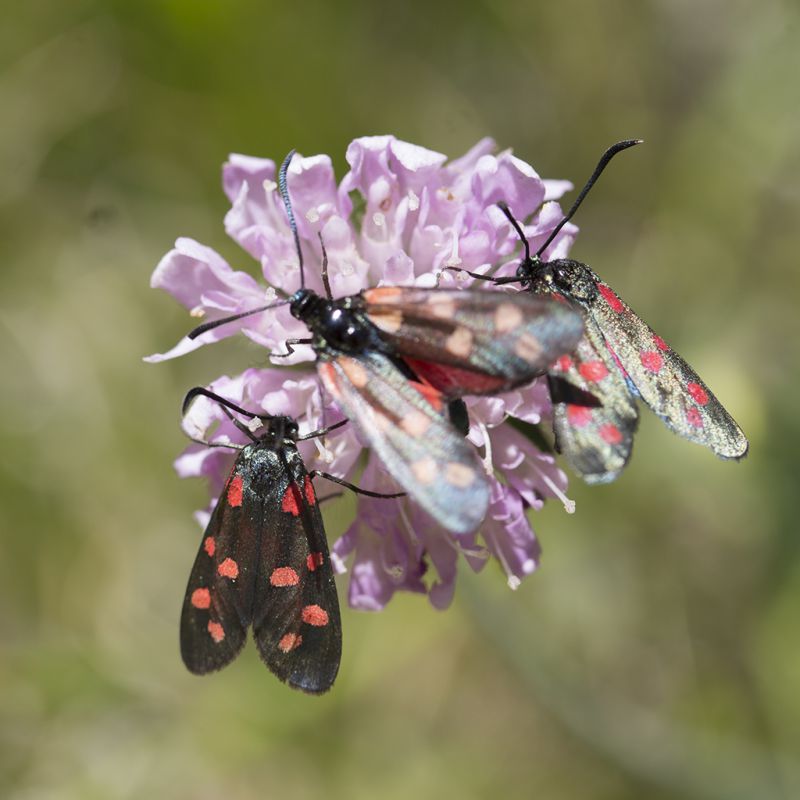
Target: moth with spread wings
x=264, y=563
x=618, y=360
x=392, y=357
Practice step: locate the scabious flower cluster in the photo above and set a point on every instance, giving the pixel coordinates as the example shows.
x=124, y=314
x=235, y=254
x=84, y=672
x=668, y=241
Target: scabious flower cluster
x=398, y=217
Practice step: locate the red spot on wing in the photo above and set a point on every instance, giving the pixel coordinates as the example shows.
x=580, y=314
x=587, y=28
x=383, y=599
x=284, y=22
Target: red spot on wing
x=315, y=615
x=314, y=560
x=209, y=545
x=610, y=433
x=201, y=598
x=229, y=569
x=291, y=500
x=452, y=381
x=578, y=416
x=289, y=642
x=284, y=576
x=608, y=295
x=217, y=631
x=564, y=363
x=651, y=360
x=593, y=371
x=694, y=417
x=235, y=491
x=660, y=343
x=698, y=393
x=311, y=498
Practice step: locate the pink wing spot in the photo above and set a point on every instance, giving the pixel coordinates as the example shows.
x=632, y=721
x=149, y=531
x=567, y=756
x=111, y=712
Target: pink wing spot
x=694, y=417
x=209, y=545
x=290, y=503
x=660, y=343
x=217, y=632
x=201, y=598
x=698, y=393
x=289, y=642
x=310, y=496
x=314, y=560
x=315, y=615
x=235, y=491
x=229, y=569
x=610, y=434
x=564, y=363
x=578, y=416
x=608, y=295
x=284, y=576
x=652, y=360
x=593, y=371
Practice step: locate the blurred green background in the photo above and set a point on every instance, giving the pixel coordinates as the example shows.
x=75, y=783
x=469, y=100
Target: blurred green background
x=656, y=653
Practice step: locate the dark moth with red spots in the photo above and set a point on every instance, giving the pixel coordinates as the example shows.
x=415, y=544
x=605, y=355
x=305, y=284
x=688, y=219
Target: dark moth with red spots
x=264, y=563
x=619, y=359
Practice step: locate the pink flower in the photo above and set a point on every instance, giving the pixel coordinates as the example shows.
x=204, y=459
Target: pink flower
x=399, y=216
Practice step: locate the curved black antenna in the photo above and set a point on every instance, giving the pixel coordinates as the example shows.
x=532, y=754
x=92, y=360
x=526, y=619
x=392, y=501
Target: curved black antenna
x=503, y=206
x=284, y=190
x=201, y=390
x=215, y=323
x=601, y=165
x=192, y=393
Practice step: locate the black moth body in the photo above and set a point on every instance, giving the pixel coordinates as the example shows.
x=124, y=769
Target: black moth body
x=264, y=564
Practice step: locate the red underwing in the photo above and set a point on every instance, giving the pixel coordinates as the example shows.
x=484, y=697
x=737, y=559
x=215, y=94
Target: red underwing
x=391, y=357
x=263, y=564
x=618, y=360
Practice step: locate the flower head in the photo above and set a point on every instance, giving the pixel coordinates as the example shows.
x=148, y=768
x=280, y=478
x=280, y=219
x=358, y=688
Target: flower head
x=399, y=216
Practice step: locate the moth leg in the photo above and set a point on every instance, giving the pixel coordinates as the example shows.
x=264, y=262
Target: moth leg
x=352, y=487
x=289, y=349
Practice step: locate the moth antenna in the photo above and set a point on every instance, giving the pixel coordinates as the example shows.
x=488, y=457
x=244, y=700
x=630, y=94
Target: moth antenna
x=598, y=170
x=325, y=280
x=201, y=390
x=503, y=206
x=215, y=323
x=284, y=190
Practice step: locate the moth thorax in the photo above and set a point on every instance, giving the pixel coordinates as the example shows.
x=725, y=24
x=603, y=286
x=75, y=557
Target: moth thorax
x=570, y=278
x=344, y=329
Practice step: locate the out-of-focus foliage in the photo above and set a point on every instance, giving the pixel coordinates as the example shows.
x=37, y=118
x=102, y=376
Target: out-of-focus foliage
x=656, y=652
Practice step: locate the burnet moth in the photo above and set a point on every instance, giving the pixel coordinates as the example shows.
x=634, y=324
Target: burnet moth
x=380, y=351
x=618, y=359
x=263, y=562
